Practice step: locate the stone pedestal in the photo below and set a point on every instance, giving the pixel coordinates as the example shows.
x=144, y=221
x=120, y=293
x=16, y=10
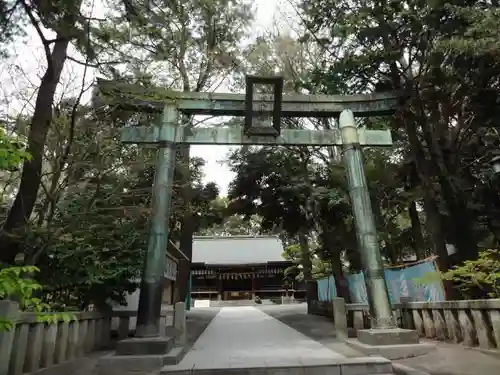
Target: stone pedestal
x=148, y=354
x=393, y=343
x=396, y=336
x=145, y=346
x=141, y=355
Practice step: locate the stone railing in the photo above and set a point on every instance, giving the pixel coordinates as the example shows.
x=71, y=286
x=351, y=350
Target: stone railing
x=470, y=322
x=31, y=345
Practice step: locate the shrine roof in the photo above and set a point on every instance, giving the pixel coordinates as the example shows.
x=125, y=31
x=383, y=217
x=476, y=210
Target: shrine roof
x=233, y=250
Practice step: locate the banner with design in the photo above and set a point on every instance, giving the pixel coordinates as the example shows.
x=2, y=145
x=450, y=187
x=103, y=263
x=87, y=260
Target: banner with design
x=418, y=281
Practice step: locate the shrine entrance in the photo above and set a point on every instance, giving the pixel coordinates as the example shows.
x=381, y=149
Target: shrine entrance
x=168, y=132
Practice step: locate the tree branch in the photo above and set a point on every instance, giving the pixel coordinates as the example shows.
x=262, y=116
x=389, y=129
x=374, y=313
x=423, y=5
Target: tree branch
x=46, y=43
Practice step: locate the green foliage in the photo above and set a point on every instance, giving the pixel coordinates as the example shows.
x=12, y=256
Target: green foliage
x=447, y=55
x=293, y=253
x=217, y=221
x=16, y=284
x=90, y=228
x=482, y=273
x=12, y=152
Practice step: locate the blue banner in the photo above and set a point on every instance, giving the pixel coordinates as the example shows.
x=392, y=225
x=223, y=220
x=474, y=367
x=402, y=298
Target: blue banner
x=418, y=282
x=327, y=289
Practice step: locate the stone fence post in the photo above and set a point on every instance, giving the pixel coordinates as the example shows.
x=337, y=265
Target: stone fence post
x=180, y=322
x=9, y=311
x=340, y=317
x=406, y=315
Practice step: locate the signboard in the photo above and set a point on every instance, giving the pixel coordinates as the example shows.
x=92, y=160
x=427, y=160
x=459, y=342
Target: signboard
x=171, y=269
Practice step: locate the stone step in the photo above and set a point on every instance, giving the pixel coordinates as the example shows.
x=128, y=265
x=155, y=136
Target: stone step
x=242, y=302
x=145, y=346
x=136, y=359
x=174, y=356
x=401, y=351
x=337, y=366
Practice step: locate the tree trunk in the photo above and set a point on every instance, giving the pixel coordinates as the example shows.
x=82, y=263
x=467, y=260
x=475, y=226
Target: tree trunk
x=336, y=263
x=494, y=232
x=186, y=237
x=416, y=229
x=354, y=258
x=390, y=251
x=425, y=178
x=305, y=257
x=434, y=226
x=20, y=212
x=462, y=220
x=463, y=225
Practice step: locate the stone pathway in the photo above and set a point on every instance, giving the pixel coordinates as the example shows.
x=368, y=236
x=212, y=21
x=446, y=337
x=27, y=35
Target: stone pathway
x=245, y=337
x=447, y=359
x=452, y=359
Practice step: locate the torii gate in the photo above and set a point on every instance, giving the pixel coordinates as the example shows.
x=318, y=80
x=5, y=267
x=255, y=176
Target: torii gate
x=166, y=134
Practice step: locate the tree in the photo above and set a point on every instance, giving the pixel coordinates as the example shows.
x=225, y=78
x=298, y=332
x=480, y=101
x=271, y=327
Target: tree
x=384, y=47
x=198, y=43
x=225, y=224
x=64, y=19
x=302, y=191
x=90, y=225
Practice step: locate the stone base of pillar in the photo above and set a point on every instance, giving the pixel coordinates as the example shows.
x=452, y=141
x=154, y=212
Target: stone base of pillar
x=391, y=336
x=140, y=346
x=114, y=364
x=147, y=355
x=393, y=343
x=141, y=355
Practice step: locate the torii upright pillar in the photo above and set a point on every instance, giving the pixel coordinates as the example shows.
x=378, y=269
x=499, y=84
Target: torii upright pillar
x=151, y=289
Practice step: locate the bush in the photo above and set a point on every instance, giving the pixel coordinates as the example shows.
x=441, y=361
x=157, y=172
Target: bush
x=16, y=284
x=477, y=277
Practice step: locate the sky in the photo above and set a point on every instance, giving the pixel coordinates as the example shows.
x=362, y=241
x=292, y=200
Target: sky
x=22, y=75
x=215, y=170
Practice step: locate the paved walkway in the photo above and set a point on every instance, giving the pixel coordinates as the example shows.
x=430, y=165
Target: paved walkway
x=447, y=359
x=252, y=338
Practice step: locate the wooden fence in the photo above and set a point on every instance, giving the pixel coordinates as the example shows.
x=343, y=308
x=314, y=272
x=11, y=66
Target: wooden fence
x=31, y=345
x=470, y=322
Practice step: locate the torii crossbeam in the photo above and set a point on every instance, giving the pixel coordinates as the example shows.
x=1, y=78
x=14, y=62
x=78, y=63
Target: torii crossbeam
x=169, y=132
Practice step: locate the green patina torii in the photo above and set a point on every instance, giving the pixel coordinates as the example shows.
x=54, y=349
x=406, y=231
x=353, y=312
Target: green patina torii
x=169, y=132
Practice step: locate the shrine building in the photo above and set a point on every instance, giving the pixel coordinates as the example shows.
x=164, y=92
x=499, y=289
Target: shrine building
x=241, y=267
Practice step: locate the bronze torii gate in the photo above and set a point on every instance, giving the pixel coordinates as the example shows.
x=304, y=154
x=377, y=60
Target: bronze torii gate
x=169, y=132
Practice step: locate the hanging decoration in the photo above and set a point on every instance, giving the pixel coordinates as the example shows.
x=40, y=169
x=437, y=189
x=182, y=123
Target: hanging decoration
x=222, y=275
